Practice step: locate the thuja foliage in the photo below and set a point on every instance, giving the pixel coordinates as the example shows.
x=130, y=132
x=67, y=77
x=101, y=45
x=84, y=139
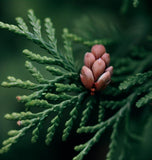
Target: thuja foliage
x=130, y=91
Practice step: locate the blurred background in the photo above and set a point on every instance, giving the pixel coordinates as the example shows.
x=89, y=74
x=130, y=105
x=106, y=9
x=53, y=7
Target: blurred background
x=91, y=19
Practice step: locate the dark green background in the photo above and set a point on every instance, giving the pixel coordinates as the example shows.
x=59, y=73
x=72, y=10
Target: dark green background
x=135, y=24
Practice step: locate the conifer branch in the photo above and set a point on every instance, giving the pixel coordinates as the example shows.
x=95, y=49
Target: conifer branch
x=51, y=130
x=139, y=78
x=101, y=112
x=85, y=148
x=68, y=46
x=81, y=40
x=144, y=100
x=131, y=85
x=51, y=34
x=100, y=128
x=35, y=73
x=86, y=112
x=113, y=143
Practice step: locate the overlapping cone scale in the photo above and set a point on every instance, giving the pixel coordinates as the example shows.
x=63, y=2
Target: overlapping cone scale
x=87, y=77
x=95, y=74
x=98, y=68
x=103, y=81
x=89, y=59
x=98, y=50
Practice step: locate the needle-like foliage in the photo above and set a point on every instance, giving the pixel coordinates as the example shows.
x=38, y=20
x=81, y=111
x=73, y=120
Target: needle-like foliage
x=129, y=91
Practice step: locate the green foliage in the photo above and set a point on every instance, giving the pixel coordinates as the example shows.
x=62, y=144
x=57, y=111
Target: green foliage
x=112, y=108
x=144, y=100
x=59, y=90
x=113, y=137
x=138, y=79
x=81, y=40
x=51, y=130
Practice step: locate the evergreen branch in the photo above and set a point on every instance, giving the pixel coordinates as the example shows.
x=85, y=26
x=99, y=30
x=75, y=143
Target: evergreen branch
x=11, y=28
x=86, y=113
x=21, y=84
x=73, y=116
x=44, y=60
x=38, y=103
x=108, y=122
x=113, y=137
x=144, y=88
x=35, y=133
x=32, y=121
x=54, y=71
x=51, y=83
x=51, y=130
x=85, y=148
x=78, y=39
x=66, y=87
x=57, y=97
x=35, y=73
x=15, y=137
x=99, y=129
x=144, y=100
x=22, y=25
x=67, y=46
x=41, y=59
x=35, y=23
x=52, y=107
x=64, y=91
x=51, y=34
x=20, y=116
x=66, y=103
x=113, y=104
x=37, y=38
x=29, y=35
x=111, y=120
x=102, y=41
x=101, y=112
x=69, y=123
x=139, y=78
x=34, y=95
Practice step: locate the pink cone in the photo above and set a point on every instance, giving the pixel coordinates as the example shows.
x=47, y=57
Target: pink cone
x=98, y=68
x=103, y=81
x=86, y=77
x=98, y=50
x=89, y=59
x=110, y=69
x=106, y=58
